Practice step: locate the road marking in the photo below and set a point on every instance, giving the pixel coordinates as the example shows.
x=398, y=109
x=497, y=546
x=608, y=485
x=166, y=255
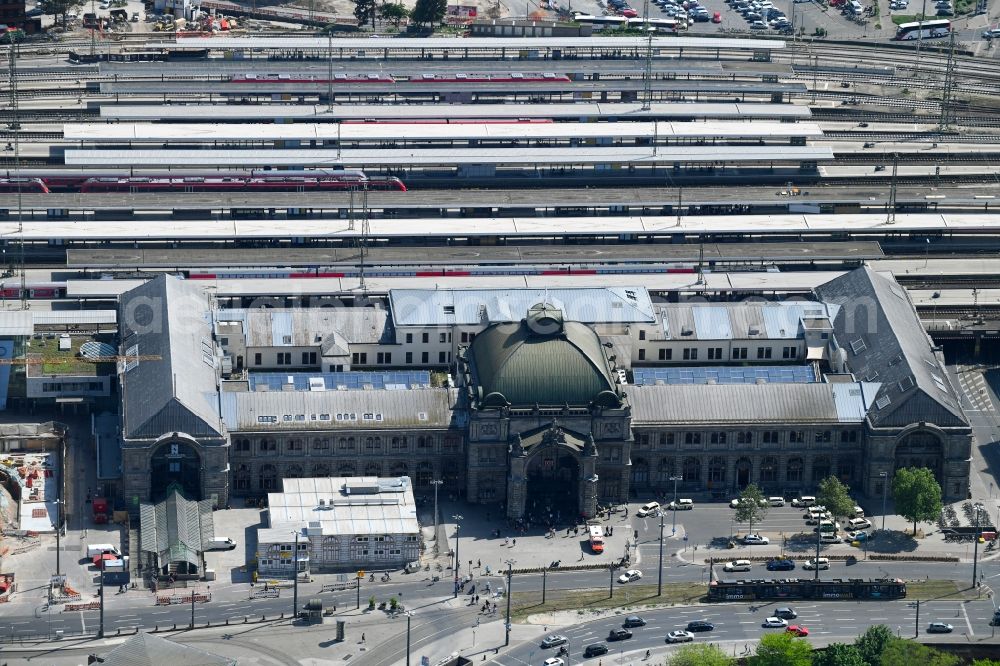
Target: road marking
x=83, y=625
x=967, y=623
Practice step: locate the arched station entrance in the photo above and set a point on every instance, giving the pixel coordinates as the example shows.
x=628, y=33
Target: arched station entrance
x=175, y=464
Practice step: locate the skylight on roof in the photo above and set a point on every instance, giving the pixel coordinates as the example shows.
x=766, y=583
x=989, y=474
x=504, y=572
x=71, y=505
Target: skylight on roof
x=906, y=383
x=883, y=402
x=858, y=346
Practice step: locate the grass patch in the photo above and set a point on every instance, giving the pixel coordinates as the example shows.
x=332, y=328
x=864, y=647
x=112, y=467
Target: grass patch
x=899, y=19
x=529, y=603
x=927, y=590
x=56, y=362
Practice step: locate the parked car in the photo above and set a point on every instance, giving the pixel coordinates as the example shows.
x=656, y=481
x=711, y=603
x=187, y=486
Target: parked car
x=717, y=18
x=993, y=33
x=553, y=640
x=630, y=576
x=776, y=501
x=780, y=565
x=774, y=623
x=756, y=540
x=939, y=628
x=700, y=625
x=828, y=537
x=804, y=501
x=682, y=505
x=680, y=636
x=858, y=536
x=737, y=565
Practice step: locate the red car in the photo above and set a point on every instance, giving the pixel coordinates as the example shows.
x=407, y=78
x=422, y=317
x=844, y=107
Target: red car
x=717, y=17
x=797, y=630
x=629, y=13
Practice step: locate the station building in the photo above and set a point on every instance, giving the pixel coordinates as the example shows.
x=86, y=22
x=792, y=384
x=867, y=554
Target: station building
x=546, y=402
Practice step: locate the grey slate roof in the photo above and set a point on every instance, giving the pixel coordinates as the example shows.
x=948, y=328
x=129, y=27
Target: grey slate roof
x=176, y=529
x=882, y=340
x=739, y=321
x=145, y=649
x=749, y=404
x=168, y=317
x=332, y=410
x=448, y=307
x=310, y=327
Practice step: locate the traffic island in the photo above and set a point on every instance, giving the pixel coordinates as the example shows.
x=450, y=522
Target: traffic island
x=524, y=604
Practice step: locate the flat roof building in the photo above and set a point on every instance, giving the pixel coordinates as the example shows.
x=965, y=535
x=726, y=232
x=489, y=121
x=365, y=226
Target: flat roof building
x=341, y=523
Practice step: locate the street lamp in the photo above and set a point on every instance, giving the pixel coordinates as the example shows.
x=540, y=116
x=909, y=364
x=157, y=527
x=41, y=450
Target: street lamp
x=885, y=487
x=58, y=504
x=673, y=524
x=510, y=579
x=457, y=518
x=659, y=577
x=978, y=506
x=409, y=616
x=295, y=576
x=436, y=483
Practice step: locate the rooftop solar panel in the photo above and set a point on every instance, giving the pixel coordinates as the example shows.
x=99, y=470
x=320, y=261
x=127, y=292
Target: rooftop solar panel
x=774, y=374
x=339, y=381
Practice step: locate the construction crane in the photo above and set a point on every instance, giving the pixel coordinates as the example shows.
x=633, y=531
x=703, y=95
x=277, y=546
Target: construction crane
x=39, y=360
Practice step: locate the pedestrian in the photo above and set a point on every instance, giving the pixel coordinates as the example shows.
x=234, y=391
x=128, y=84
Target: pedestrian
x=506, y=541
x=515, y=543
x=479, y=564
x=362, y=637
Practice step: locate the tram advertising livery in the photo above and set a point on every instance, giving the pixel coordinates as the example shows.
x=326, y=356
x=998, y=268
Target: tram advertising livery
x=851, y=588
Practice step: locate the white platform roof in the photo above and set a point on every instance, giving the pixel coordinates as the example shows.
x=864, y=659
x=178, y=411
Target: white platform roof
x=210, y=132
x=460, y=44
x=453, y=111
x=443, y=156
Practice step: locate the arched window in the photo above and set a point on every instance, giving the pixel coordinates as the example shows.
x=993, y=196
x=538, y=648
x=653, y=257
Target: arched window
x=665, y=469
x=294, y=472
x=425, y=474
x=692, y=470
x=640, y=472
x=717, y=471
x=242, y=446
x=821, y=468
x=769, y=470
x=794, y=473
x=320, y=470
x=373, y=468
x=268, y=479
x=399, y=469
x=241, y=479
x=346, y=469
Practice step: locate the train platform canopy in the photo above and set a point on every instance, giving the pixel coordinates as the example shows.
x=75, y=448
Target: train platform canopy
x=188, y=133
x=368, y=112
x=520, y=156
x=504, y=227
x=245, y=90
x=456, y=45
x=754, y=282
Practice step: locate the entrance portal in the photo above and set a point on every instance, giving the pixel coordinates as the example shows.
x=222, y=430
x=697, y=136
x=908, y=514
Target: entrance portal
x=921, y=449
x=175, y=465
x=743, y=469
x=553, y=487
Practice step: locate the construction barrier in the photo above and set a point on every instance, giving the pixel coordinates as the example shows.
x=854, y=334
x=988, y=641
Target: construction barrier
x=90, y=605
x=167, y=600
x=261, y=593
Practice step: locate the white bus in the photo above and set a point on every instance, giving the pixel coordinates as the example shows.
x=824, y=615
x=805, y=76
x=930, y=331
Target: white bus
x=923, y=30
x=600, y=23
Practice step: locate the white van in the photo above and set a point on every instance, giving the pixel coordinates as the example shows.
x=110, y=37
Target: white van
x=776, y=501
x=804, y=501
x=859, y=512
x=855, y=524
x=220, y=543
x=95, y=549
x=856, y=8
x=817, y=563
x=648, y=509
x=682, y=505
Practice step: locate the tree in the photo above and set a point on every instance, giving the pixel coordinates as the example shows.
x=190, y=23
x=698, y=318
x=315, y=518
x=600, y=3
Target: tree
x=872, y=643
x=700, y=654
x=429, y=11
x=782, y=649
x=364, y=11
x=839, y=654
x=902, y=652
x=917, y=495
x=393, y=12
x=752, y=506
x=835, y=496
x=986, y=662
x=58, y=7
